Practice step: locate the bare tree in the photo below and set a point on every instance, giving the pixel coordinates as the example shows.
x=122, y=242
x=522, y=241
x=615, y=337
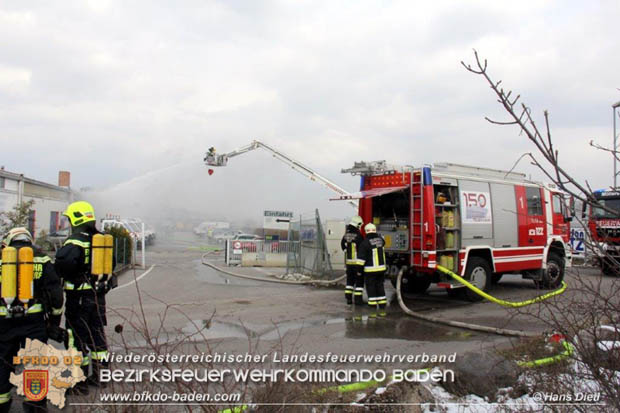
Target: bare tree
x=17, y=217
x=592, y=300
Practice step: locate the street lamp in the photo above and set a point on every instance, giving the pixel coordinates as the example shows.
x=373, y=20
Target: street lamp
x=614, y=108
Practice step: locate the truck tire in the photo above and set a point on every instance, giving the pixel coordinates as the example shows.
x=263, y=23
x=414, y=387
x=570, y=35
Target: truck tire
x=496, y=277
x=608, y=267
x=554, y=274
x=414, y=284
x=478, y=273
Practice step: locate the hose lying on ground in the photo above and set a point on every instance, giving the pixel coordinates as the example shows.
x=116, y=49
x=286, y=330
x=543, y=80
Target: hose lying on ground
x=568, y=351
x=271, y=280
x=497, y=300
x=362, y=385
x=459, y=324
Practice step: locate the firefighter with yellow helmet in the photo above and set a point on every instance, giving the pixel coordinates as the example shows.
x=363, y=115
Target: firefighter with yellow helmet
x=85, y=264
x=350, y=244
x=372, y=252
x=30, y=307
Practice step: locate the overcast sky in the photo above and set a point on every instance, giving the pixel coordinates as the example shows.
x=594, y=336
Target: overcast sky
x=112, y=90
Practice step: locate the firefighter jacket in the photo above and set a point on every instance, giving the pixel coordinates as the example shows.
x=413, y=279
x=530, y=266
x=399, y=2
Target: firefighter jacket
x=372, y=252
x=73, y=260
x=47, y=290
x=350, y=243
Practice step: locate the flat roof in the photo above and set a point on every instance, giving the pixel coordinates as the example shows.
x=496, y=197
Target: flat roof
x=21, y=177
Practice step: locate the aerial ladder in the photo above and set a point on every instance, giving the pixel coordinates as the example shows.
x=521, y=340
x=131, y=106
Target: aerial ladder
x=214, y=159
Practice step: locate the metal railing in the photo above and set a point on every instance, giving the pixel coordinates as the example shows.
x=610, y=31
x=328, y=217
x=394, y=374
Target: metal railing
x=236, y=248
x=312, y=256
x=122, y=254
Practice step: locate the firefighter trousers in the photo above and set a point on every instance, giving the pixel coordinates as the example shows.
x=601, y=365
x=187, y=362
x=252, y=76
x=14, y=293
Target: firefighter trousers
x=375, y=288
x=85, y=316
x=354, y=290
x=13, y=335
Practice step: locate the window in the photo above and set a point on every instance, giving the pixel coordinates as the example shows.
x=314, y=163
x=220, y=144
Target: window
x=557, y=204
x=31, y=222
x=54, y=217
x=613, y=204
x=534, y=204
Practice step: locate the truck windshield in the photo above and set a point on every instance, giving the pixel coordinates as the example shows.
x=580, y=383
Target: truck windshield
x=608, y=203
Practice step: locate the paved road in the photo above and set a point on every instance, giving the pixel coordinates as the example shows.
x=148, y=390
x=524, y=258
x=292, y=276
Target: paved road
x=185, y=301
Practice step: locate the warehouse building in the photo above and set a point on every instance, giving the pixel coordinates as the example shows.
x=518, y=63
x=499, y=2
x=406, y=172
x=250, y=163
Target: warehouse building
x=49, y=200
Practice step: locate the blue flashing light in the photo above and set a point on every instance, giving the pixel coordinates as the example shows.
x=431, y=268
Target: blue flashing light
x=426, y=172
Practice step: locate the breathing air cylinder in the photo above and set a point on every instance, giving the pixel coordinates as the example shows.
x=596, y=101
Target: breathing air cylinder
x=26, y=275
x=9, y=274
x=97, y=256
x=109, y=254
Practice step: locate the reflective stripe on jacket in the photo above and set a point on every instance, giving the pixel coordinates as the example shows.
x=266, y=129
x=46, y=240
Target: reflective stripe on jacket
x=350, y=244
x=372, y=250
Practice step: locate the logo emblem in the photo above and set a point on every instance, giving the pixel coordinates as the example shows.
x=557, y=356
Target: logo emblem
x=36, y=384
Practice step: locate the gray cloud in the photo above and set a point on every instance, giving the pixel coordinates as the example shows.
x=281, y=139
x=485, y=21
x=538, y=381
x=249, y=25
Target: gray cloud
x=112, y=90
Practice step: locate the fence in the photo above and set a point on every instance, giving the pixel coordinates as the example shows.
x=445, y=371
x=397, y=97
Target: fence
x=312, y=257
x=122, y=254
x=258, y=252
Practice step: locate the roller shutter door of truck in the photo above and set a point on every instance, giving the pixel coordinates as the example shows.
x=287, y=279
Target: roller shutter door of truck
x=505, y=230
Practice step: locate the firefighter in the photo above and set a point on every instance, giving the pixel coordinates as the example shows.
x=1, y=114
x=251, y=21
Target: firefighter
x=350, y=244
x=37, y=317
x=85, y=314
x=372, y=252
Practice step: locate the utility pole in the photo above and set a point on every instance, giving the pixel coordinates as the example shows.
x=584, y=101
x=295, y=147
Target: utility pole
x=615, y=113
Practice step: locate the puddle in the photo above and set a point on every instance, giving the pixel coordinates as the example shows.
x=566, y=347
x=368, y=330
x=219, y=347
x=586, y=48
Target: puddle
x=363, y=325
x=399, y=327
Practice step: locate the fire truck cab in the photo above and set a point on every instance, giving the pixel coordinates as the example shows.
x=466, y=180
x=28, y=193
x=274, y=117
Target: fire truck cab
x=604, y=227
x=480, y=223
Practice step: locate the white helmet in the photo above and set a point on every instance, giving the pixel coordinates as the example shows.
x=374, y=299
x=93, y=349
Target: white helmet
x=370, y=228
x=17, y=234
x=357, y=221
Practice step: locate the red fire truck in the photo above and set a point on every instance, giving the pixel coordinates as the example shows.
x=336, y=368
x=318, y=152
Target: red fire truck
x=604, y=227
x=481, y=223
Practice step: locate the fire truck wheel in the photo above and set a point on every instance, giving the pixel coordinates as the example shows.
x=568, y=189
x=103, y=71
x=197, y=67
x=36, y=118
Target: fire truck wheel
x=479, y=274
x=607, y=267
x=554, y=274
x=414, y=284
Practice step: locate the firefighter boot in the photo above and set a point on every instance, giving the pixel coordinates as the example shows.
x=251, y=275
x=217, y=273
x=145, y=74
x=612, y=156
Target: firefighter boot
x=94, y=378
x=359, y=297
x=80, y=389
x=382, y=312
x=34, y=407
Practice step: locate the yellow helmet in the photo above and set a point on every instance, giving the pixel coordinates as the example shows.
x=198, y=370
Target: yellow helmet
x=79, y=213
x=17, y=234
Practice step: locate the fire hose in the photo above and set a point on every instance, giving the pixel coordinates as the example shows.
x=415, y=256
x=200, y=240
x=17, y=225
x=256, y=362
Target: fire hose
x=476, y=327
x=497, y=300
x=363, y=385
x=271, y=280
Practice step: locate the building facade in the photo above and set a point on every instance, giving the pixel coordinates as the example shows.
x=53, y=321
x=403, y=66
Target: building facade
x=49, y=200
